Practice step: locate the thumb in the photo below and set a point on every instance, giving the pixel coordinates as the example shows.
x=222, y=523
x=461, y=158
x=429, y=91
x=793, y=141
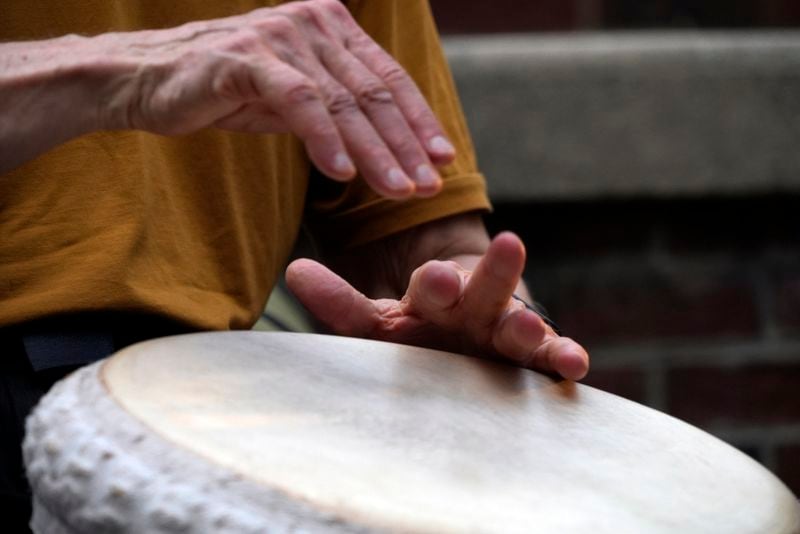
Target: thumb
x=330, y=299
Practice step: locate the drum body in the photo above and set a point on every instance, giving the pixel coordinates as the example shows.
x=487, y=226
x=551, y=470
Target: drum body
x=266, y=432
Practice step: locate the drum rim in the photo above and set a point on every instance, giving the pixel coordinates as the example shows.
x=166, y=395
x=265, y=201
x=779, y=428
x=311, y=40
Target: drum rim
x=84, y=499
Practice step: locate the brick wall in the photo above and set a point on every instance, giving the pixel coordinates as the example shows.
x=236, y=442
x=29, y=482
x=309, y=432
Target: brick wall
x=469, y=16
x=689, y=306
x=458, y=16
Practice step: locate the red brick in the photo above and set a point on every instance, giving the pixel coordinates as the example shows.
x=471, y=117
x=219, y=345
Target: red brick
x=478, y=16
x=782, y=13
x=787, y=303
x=628, y=383
x=788, y=469
x=705, y=14
x=685, y=228
x=459, y=16
x=718, y=225
x=602, y=307
x=746, y=395
x=637, y=13
x=556, y=231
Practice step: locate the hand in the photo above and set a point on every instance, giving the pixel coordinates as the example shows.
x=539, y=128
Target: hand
x=446, y=307
x=302, y=67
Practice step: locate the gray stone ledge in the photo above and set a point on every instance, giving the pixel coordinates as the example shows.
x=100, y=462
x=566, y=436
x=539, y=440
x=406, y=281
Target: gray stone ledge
x=645, y=114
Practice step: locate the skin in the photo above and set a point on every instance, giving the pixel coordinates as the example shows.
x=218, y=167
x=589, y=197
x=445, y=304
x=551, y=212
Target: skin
x=306, y=68
x=460, y=301
x=301, y=67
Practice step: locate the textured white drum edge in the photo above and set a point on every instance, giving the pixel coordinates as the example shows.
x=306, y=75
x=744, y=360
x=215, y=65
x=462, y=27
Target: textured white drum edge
x=89, y=476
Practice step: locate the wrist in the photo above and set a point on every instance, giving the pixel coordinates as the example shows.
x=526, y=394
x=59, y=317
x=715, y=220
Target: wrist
x=107, y=75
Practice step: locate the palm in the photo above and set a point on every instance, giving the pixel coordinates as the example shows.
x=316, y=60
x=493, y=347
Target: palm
x=446, y=307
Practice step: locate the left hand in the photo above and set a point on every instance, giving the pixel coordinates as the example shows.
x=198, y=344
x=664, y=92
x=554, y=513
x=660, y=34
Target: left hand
x=446, y=307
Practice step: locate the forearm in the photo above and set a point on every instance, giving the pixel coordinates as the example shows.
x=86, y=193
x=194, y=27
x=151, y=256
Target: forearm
x=54, y=90
x=48, y=94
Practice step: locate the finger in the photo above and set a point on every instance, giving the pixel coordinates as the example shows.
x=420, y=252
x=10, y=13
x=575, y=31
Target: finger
x=487, y=295
x=331, y=300
x=434, y=290
x=409, y=98
x=332, y=18
x=373, y=158
x=523, y=338
x=560, y=355
x=375, y=161
x=376, y=100
x=517, y=333
x=302, y=34
x=297, y=100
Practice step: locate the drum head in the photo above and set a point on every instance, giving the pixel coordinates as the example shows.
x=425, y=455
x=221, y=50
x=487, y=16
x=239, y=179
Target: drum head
x=387, y=437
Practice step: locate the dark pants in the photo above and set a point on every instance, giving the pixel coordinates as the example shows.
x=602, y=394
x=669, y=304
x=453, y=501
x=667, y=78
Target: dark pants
x=20, y=389
x=32, y=358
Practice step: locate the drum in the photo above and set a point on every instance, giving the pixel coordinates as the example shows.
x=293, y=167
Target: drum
x=270, y=432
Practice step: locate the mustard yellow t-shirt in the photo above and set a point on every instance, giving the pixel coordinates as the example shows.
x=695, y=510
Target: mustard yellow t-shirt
x=196, y=228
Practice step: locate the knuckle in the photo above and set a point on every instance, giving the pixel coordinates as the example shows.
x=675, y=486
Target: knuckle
x=301, y=93
x=279, y=27
x=261, y=12
x=311, y=18
x=375, y=94
x=393, y=73
x=332, y=6
x=342, y=102
x=303, y=8
x=359, y=41
x=314, y=13
x=302, y=11
x=245, y=40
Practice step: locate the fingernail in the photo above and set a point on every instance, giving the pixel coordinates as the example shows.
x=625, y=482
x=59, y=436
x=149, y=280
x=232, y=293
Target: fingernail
x=426, y=177
x=397, y=180
x=441, y=145
x=343, y=164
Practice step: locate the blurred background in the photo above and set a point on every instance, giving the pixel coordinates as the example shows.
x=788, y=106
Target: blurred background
x=648, y=152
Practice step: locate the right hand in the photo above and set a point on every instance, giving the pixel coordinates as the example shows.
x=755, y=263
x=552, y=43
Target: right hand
x=303, y=67
x=446, y=307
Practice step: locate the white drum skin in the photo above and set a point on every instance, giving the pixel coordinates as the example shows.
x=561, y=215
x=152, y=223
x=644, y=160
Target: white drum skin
x=265, y=432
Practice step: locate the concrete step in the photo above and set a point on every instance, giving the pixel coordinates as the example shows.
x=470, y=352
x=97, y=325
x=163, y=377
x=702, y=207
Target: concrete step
x=586, y=116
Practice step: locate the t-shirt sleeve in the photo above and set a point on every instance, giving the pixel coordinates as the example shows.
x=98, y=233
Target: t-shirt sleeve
x=343, y=216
